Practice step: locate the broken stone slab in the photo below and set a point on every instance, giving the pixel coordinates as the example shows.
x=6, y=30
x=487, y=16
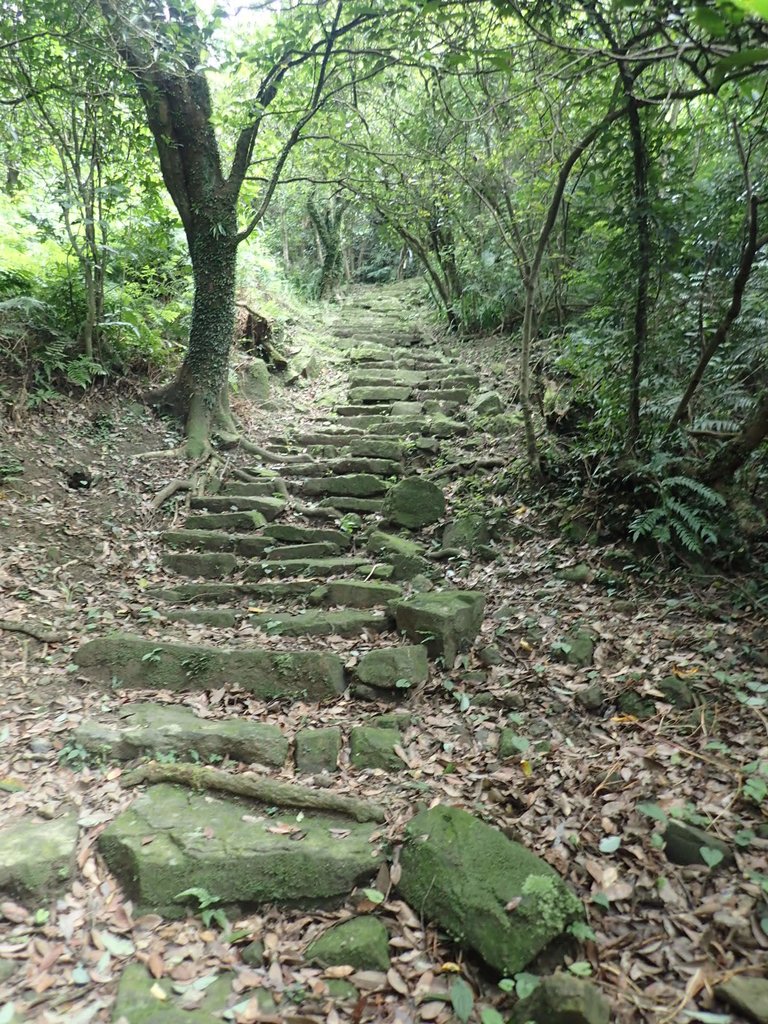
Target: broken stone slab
x=405, y=556
x=304, y=567
x=321, y=623
x=288, y=534
x=322, y=549
x=370, y=747
x=355, y=485
x=201, y=841
x=446, y=622
x=230, y=521
x=487, y=403
x=37, y=858
x=464, y=874
x=365, y=506
x=148, y=664
x=444, y=426
x=414, y=502
x=317, y=750
x=206, y=565
x=379, y=394
x=563, y=999
x=217, y=617
x=270, y=508
x=394, y=667
x=467, y=531
x=269, y=488
x=355, y=593
x=198, y=540
x=748, y=996
x=684, y=844
x=406, y=409
x=362, y=943
x=150, y=728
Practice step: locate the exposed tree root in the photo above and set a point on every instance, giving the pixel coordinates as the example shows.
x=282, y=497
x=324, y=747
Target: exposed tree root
x=315, y=512
x=268, y=456
x=255, y=787
x=40, y=633
x=202, y=471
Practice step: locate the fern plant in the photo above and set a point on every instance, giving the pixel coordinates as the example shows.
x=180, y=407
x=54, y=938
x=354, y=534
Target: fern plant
x=685, y=513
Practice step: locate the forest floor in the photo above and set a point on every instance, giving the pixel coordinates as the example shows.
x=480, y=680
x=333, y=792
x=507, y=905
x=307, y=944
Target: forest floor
x=589, y=789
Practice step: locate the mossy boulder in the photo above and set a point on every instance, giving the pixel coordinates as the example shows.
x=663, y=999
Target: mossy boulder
x=254, y=380
x=37, y=858
x=405, y=556
x=413, y=503
x=563, y=999
x=370, y=747
x=150, y=728
x=468, y=531
x=317, y=750
x=463, y=874
x=445, y=622
x=387, y=667
x=577, y=648
x=362, y=943
x=748, y=996
x=487, y=403
x=354, y=485
x=684, y=844
x=201, y=841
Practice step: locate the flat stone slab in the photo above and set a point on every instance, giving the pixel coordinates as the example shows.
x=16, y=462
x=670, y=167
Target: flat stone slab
x=446, y=622
x=232, y=521
x=222, y=593
x=202, y=841
x=355, y=593
x=317, y=750
x=288, y=534
x=320, y=550
x=394, y=667
x=321, y=623
x=304, y=567
x=379, y=394
x=366, y=506
x=270, y=508
x=271, y=488
x=150, y=728
x=135, y=662
x=37, y=858
x=205, y=565
x=355, y=485
x=464, y=874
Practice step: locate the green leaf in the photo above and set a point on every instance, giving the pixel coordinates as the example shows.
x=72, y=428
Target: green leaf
x=490, y=1016
x=709, y=21
x=374, y=895
x=710, y=856
x=7, y=1013
x=507, y=985
x=117, y=946
x=610, y=844
x=652, y=811
x=744, y=837
x=581, y=968
x=752, y=55
x=462, y=1000
x=525, y=984
x=601, y=900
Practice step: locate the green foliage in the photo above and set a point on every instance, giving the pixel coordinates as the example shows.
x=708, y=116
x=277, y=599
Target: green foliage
x=686, y=513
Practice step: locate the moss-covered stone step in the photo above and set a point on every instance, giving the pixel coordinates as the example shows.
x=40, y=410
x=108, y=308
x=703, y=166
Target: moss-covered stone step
x=322, y=549
x=271, y=487
x=362, y=422
x=287, y=533
x=372, y=747
x=430, y=380
x=233, y=522
x=200, y=841
x=359, y=447
x=464, y=875
x=354, y=485
x=217, y=617
x=205, y=565
x=319, y=622
x=458, y=395
x=394, y=667
x=405, y=556
x=270, y=508
x=317, y=750
x=150, y=728
x=37, y=858
x=215, y=540
x=362, y=943
x=379, y=394
x=135, y=662
x=223, y=593
x=365, y=506
x=354, y=593
x=316, y=567
x=351, y=466
x=446, y=622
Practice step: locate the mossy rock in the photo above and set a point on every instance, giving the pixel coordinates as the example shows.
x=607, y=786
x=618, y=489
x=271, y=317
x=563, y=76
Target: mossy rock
x=468, y=531
x=362, y=943
x=446, y=621
x=684, y=844
x=37, y=858
x=563, y=999
x=405, y=556
x=374, y=748
x=414, y=503
x=388, y=667
x=317, y=750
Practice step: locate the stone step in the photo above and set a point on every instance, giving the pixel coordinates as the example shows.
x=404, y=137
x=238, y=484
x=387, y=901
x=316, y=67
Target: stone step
x=226, y=521
x=262, y=488
x=216, y=540
x=270, y=508
x=320, y=622
x=244, y=859
x=366, y=506
x=359, y=447
x=355, y=593
x=435, y=381
x=321, y=549
x=206, y=565
x=458, y=395
x=314, y=567
x=290, y=534
x=355, y=485
x=379, y=394
x=343, y=467
x=132, y=661
x=223, y=593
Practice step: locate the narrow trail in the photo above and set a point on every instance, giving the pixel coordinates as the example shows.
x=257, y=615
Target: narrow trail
x=349, y=647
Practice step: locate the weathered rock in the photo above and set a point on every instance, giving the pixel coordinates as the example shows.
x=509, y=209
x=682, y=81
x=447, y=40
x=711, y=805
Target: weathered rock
x=365, y=506
x=269, y=487
x=405, y=556
x=253, y=954
x=355, y=485
x=202, y=841
x=578, y=648
x=208, y=565
x=322, y=549
x=270, y=508
x=374, y=748
x=321, y=622
x=138, y=1003
x=399, y=720
x=746, y=995
x=317, y=750
x=205, y=617
x=199, y=540
x=576, y=573
x=677, y=692
x=163, y=728
x=232, y=521
x=503, y=424
x=254, y=380
x=466, y=532
x=289, y=534
x=444, y=426
x=446, y=622
x=385, y=394
x=414, y=502
x=487, y=403
x=222, y=593
x=37, y=858
x=388, y=667
x=630, y=702
x=134, y=661
x=463, y=874
x=406, y=409
x=303, y=567
x=342, y=991
x=362, y=942
x=591, y=697
x=684, y=843
x=563, y=999
x=355, y=593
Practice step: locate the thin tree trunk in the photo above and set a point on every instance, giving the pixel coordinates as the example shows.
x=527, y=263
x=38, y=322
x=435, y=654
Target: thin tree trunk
x=732, y=456
x=529, y=328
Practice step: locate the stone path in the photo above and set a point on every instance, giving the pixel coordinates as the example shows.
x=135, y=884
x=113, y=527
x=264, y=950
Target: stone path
x=322, y=543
